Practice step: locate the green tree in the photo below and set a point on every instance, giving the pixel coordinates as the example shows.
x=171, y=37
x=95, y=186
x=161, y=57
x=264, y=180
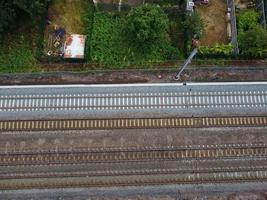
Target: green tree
x=7, y=15
x=253, y=43
x=11, y=9
x=193, y=25
x=145, y=26
x=32, y=7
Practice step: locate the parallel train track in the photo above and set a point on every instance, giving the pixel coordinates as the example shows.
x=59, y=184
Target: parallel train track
x=85, y=156
x=137, y=101
x=136, y=168
x=134, y=180
x=253, y=157
x=80, y=124
x=44, y=103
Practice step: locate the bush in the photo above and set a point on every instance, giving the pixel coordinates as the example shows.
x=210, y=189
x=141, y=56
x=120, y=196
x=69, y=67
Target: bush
x=253, y=43
x=252, y=39
x=193, y=25
x=218, y=50
x=248, y=20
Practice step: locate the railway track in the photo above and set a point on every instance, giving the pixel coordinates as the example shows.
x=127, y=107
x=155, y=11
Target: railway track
x=80, y=124
x=135, y=168
x=68, y=157
x=195, y=171
x=44, y=108
x=133, y=180
x=137, y=101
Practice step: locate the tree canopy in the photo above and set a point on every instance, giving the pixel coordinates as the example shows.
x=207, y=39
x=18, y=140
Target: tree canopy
x=11, y=9
x=193, y=25
x=146, y=25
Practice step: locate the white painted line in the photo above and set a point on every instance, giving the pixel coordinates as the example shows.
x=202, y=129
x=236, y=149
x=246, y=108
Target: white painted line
x=134, y=85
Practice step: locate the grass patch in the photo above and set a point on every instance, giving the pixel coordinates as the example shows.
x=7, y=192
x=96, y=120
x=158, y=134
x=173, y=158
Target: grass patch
x=19, y=48
x=17, y=56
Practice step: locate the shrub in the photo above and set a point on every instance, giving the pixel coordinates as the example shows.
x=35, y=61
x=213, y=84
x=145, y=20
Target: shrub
x=248, y=20
x=253, y=43
x=218, y=50
x=193, y=25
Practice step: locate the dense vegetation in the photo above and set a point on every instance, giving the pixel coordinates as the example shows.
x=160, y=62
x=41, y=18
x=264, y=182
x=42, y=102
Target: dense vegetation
x=138, y=38
x=217, y=50
x=22, y=45
x=11, y=10
x=144, y=35
x=253, y=42
x=146, y=26
x=193, y=25
x=248, y=20
x=252, y=38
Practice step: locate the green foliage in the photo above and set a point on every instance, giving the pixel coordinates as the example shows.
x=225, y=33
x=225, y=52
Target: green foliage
x=7, y=15
x=216, y=50
x=89, y=21
x=165, y=2
x=252, y=39
x=146, y=25
x=253, y=43
x=106, y=42
x=193, y=25
x=248, y=20
x=11, y=9
x=31, y=7
x=17, y=57
x=110, y=46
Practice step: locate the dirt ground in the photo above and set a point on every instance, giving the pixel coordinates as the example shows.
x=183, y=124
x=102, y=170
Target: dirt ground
x=64, y=15
x=136, y=76
x=215, y=23
x=68, y=14
x=242, y=4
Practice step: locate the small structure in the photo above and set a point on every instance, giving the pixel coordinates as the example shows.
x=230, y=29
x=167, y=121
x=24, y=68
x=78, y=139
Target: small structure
x=190, y=6
x=74, y=46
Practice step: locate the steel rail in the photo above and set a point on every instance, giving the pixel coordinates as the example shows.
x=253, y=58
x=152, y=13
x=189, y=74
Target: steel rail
x=134, y=180
x=94, y=124
x=228, y=165
x=133, y=101
x=36, y=158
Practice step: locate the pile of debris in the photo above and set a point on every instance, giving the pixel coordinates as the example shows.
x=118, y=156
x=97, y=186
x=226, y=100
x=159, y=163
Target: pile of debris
x=56, y=40
x=63, y=44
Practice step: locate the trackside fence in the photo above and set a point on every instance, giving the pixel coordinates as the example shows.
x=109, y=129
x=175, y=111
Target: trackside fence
x=261, y=10
x=234, y=42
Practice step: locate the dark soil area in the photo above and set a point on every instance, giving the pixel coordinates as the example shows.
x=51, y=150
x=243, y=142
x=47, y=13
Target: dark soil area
x=204, y=74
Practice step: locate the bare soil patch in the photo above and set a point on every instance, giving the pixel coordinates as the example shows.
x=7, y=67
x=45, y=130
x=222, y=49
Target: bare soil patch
x=68, y=14
x=215, y=23
x=136, y=76
x=64, y=17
